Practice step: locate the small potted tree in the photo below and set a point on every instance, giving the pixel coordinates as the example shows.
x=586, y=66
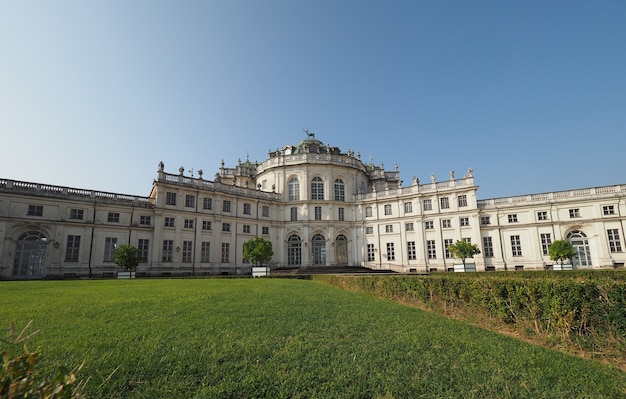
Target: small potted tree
x=463, y=250
x=257, y=251
x=127, y=258
x=559, y=251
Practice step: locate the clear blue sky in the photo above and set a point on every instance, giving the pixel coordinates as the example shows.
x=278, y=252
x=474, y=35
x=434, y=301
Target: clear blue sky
x=530, y=94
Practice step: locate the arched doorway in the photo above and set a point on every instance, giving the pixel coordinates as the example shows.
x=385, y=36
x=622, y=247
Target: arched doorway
x=30, y=254
x=294, y=251
x=579, y=241
x=319, y=249
x=341, y=250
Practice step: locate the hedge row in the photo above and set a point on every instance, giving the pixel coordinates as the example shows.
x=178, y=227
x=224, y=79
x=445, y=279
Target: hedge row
x=565, y=307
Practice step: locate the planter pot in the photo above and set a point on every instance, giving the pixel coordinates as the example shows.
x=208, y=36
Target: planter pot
x=565, y=266
x=469, y=267
x=126, y=274
x=260, y=271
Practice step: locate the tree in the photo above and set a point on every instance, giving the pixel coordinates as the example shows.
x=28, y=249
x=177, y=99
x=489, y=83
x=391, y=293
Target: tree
x=126, y=257
x=561, y=250
x=463, y=250
x=257, y=250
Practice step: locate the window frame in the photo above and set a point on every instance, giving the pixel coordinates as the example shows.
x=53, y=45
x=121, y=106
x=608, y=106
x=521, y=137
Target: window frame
x=35, y=210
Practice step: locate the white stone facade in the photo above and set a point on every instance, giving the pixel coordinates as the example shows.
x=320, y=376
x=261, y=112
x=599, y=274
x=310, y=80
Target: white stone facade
x=318, y=205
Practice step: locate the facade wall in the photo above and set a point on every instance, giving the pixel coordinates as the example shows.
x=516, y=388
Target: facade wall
x=191, y=226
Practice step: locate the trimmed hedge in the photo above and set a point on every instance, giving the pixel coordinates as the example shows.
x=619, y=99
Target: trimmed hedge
x=555, y=303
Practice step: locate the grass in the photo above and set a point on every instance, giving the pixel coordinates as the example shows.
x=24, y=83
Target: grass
x=279, y=338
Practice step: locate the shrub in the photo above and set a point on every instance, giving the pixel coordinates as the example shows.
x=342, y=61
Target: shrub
x=19, y=377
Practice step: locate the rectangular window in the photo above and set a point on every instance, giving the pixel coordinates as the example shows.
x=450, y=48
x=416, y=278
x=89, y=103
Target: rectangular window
x=516, y=246
x=512, y=218
x=574, y=213
x=76, y=214
x=225, y=252
x=369, y=230
x=485, y=220
x=446, y=223
x=429, y=225
x=246, y=228
x=487, y=247
x=615, y=244
x=142, y=246
x=368, y=212
x=265, y=211
x=542, y=215
x=462, y=200
x=340, y=190
x=187, y=251
x=168, y=248
x=341, y=214
x=431, y=249
x=408, y=207
x=464, y=222
x=608, y=210
x=428, y=205
x=170, y=198
x=389, y=228
x=265, y=230
x=169, y=222
x=370, y=253
x=225, y=226
x=206, y=225
x=188, y=224
x=113, y=217
x=318, y=213
x=446, y=243
x=408, y=226
x=410, y=250
x=72, y=248
x=35, y=210
x=317, y=189
x=109, y=247
x=205, y=252
x=207, y=203
x=444, y=202
x=145, y=220
x=294, y=214
x=546, y=240
x=294, y=189
x=387, y=209
x=190, y=201
x=246, y=209
x=226, y=206
x=391, y=253
x=467, y=240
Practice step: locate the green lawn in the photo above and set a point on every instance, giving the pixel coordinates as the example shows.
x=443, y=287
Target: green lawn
x=273, y=338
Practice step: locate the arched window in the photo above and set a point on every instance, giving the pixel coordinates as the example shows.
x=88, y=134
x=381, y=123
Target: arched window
x=317, y=188
x=294, y=251
x=30, y=253
x=319, y=249
x=579, y=241
x=294, y=189
x=340, y=194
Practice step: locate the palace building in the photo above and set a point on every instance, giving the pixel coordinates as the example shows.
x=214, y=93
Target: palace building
x=318, y=205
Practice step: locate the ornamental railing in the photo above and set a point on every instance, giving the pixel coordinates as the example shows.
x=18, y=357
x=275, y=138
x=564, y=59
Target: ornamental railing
x=16, y=186
x=593, y=192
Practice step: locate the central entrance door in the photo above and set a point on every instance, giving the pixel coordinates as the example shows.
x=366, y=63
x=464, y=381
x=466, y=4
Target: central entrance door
x=579, y=241
x=341, y=250
x=319, y=250
x=30, y=254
